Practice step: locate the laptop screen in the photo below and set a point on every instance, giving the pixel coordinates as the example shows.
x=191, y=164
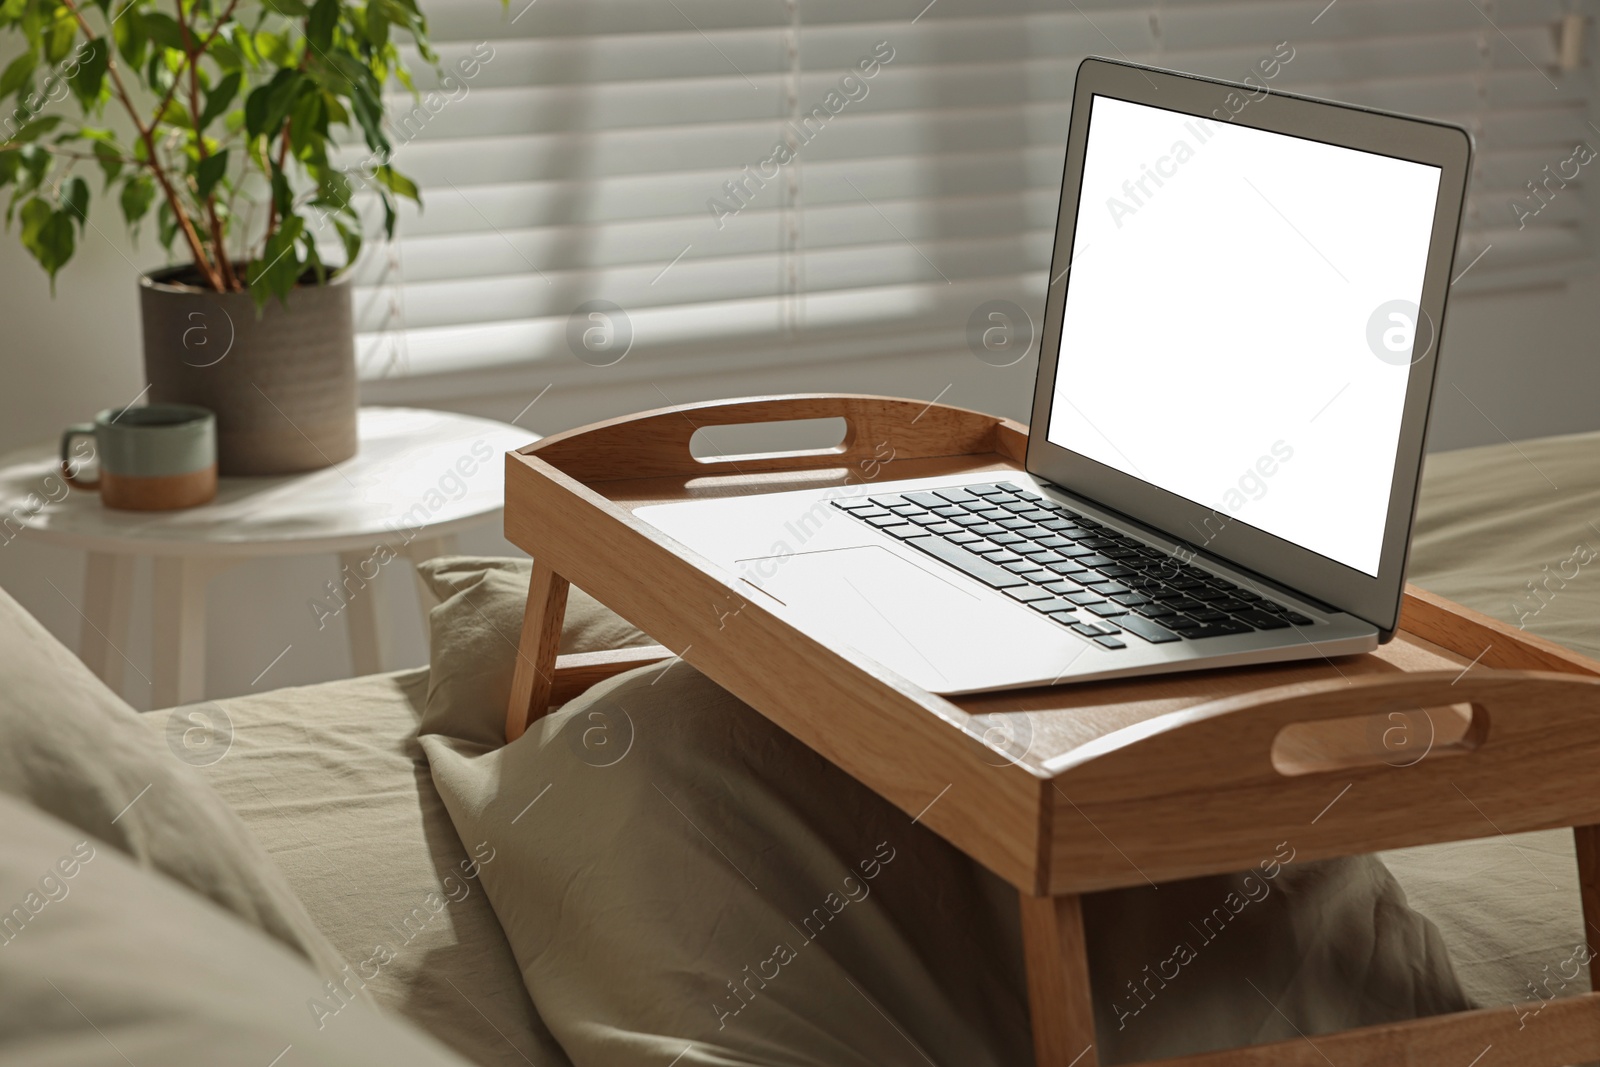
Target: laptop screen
x=1240, y=318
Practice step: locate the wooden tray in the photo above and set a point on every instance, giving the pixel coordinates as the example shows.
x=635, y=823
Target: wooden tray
x=1462, y=727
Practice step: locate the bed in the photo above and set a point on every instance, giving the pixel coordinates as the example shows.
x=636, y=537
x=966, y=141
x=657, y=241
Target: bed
x=334, y=782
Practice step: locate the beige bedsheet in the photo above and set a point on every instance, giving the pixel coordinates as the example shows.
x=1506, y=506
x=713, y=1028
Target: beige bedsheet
x=1513, y=531
x=332, y=782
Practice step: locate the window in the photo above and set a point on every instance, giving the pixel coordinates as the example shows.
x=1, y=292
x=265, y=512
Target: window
x=738, y=180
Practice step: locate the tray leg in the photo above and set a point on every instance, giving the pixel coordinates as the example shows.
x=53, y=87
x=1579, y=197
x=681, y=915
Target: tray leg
x=1058, y=982
x=536, y=652
x=1587, y=842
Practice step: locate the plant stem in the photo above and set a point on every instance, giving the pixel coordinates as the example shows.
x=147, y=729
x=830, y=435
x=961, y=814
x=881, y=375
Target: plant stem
x=218, y=245
x=196, y=249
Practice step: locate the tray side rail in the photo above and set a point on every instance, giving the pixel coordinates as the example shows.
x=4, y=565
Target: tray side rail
x=878, y=430
x=1215, y=788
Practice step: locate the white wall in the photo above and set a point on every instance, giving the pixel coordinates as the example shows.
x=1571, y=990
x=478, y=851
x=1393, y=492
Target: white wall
x=1529, y=361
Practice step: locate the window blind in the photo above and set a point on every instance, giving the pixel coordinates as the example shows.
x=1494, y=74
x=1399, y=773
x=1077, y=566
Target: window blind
x=722, y=181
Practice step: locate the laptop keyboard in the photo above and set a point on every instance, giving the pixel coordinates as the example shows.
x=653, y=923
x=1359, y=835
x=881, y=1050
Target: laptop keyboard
x=1095, y=581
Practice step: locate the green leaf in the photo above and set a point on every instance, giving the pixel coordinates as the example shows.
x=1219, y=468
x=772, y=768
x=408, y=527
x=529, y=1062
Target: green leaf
x=397, y=183
x=48, y=235
x=17, y=73
x=320, y=25
x=282, y=195
x=161, y=28
x=218, y=99
x=110, y=160
x=36, y=129
x=10, y=165
x=268, y=105
x=91, y=76
x=351, y=239
x=58, y=40
x=166, y=225
x=131, y=39
x=365, y=103
x=377, y=28
x=209, y=173
x=274, y=48
x=279, y=267
x=138, y=193
x=75, y=201
x=308, y=128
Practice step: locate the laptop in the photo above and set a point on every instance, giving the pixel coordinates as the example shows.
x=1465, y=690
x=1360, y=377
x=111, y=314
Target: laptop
x=1238, y=349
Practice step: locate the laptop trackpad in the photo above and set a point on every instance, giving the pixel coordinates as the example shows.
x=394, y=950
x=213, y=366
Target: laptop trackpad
x=912, y=621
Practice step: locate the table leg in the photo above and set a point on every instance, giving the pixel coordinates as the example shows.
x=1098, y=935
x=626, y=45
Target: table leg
x=361, y=613
x=107, y=605
x=1059, y=1000
x=536, y=651
x=179, y=635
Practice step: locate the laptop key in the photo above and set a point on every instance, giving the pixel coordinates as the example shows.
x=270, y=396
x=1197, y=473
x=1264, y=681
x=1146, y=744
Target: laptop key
x=1092, y=560
x=927, y=500
x=1006, y=537
x=1116, y=570
x=968, y=564
x=1058, y=588
x=1262, y=620
x=955, y=496
x=904, y=531
x=1002, y=557
x=1085, y=599
x=944, y=529
x=988, y=529
x=1297, y=618
x=1052, y=605
x=1093, y=629
x=1156, y=635
x=985, y=490
x=1028, y=594
x=1181, y=623
x=1023, y=567
x=886, y=520
x=1153, y=610
x=1107, y=609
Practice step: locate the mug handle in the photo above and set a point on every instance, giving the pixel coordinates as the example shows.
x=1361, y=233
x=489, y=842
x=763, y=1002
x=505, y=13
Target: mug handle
x=81, y=429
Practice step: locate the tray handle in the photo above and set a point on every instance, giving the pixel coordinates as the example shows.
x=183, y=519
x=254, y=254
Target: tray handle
x=1518, y=718
x=878, y=430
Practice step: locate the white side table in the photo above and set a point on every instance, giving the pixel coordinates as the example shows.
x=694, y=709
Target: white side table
x=420, y=478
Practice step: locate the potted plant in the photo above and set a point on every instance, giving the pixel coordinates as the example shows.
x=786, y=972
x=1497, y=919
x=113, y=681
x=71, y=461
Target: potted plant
x=218, y=119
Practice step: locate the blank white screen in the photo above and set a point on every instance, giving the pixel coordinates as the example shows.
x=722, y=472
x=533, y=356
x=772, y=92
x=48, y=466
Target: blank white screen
x=1217, y=335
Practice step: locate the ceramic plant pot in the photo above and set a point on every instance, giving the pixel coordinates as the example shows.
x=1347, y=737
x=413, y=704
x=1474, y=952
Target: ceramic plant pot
x=282, y=381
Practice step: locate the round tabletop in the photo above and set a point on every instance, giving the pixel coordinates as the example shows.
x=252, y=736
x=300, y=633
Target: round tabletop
x=418, y=474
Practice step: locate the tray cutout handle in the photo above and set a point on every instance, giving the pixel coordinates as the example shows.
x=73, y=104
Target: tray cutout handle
x=740, y=443
x=1398, y=737
x=879, y=431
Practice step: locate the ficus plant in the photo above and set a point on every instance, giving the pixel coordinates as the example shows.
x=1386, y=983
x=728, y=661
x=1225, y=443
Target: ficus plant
x=217, y=115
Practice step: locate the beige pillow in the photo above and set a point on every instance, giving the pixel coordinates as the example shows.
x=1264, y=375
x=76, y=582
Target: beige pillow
x=473, y=633
x=702, y=888
x=104, y=963
x=74, y=749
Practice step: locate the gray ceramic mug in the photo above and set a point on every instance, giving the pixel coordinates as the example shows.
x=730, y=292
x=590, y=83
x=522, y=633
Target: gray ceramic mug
x=153, y=458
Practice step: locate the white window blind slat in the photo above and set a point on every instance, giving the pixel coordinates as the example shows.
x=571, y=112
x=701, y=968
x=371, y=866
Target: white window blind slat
x=583, y=160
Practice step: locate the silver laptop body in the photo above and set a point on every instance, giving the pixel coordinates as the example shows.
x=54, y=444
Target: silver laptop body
x=1237, y=355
